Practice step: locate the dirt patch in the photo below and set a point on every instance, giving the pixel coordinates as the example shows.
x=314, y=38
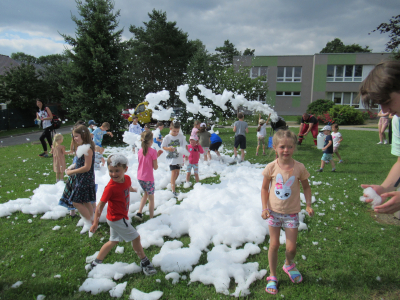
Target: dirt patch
x=385, y=219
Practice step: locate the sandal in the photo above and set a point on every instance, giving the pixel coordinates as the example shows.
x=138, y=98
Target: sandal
x=292, y=274
x=272, y=284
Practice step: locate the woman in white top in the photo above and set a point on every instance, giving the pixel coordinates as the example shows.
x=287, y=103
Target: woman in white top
x=45, y=116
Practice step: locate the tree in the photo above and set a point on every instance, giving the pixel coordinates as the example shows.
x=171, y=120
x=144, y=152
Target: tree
x=249, y=52
x=21, y=86
x=92, y=75
x=226, y=53
x=393, y=28
x=22, y=57
x=337, y=46
x=160, y=53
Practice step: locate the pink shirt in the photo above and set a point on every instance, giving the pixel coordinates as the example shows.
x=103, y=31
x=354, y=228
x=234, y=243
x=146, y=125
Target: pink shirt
x=145, y=169
x=284, y=193
x=194, y=131
x=195, y=154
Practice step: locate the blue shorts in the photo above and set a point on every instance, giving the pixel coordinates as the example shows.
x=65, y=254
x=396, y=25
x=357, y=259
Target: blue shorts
x=195, y=168
x=98, y=144
x=327, y=157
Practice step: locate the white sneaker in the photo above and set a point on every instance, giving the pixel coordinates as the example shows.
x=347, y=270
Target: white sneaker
x=380, y=143
x=385, y=142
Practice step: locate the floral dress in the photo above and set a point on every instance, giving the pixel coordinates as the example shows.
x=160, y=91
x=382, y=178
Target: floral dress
x=80, y=188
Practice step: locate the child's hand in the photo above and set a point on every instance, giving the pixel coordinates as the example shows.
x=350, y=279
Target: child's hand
x=93, y=228
x=159, y=152
x=265, y=214
x=110, y=133
x=310, y=211
x=171, y=149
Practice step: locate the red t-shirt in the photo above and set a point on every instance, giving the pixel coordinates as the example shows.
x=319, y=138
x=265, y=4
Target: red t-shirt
x=118, y=198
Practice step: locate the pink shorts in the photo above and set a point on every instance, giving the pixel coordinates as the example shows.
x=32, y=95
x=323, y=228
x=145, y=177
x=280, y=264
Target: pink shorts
x=335, y=149
x=283, y=220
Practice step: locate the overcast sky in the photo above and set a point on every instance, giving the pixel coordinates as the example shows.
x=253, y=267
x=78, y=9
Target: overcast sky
x=271, y=27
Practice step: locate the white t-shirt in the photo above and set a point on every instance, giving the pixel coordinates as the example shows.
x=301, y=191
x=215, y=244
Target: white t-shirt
x=174, y=158
x=336, y=136
x=263, y=131
x=396, y=136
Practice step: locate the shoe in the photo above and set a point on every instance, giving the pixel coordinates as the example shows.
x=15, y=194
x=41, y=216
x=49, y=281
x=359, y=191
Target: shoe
x=319, y=170
x=92, y=265
x=333, y=170
x=45, y=156
x=272, y=284
x=175, y=194
x=340, y=161
x=263, y=152
x=149, y=269
x=380, y=143
x=138, y=216
x=42, y=154
x=293, y=274
x=256, y=153
x=385, y=142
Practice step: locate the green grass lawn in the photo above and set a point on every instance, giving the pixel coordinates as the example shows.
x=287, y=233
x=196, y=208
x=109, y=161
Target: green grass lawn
x=18, y=131
x=353, y=248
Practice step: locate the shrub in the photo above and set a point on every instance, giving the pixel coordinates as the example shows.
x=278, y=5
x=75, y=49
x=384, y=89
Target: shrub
x=319, y=107
x=369, y=115
x=325, y=118
x=346, y=115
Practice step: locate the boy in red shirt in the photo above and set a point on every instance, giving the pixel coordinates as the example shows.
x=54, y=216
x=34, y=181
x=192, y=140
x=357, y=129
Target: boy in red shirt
x=116, y=194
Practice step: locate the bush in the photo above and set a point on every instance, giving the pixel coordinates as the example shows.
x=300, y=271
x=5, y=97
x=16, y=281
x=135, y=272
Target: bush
x=346, y=115
x=319, y=107
x=369, y=115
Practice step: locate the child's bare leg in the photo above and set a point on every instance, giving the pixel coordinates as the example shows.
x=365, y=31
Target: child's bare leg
x=174, y=176
x=291, y=239
x=196, y=176
x=151, y=206
x=274, y=233
x=322, y=164
x=235, y=151
x=143, y=202
x=107, y=247
x=337, y=154
x=258, y=147
x=209, y=155
x=332, y=164
x=188, y=176
x=242, y=150
x=137, y=246
x=205, y=157
x=85, y=210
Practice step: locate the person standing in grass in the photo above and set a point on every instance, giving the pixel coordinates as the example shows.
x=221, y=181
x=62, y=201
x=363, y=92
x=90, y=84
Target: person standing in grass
x=280, y=198
x=327, y=149
x=337, y=139
x=382, y=86
x=58, y=152
x=261, y=133
x=171, y=142
x=308, y=123
x=147, y=158
x=240, y=128
x=382, y=125
x=45, y=116
x=204, y=141
x=117, y=195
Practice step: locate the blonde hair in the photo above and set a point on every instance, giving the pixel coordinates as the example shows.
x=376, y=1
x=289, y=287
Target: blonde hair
x=197, y=122
x=106, y=125
x=284, y=134
x=146, y=137
x=56, y=139
x=85, y=135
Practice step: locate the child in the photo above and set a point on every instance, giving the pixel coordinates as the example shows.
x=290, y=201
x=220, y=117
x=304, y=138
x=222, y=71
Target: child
x=135, y=128
x=98, y=158
x=204, y=141
x=158, y=140
x=337, y=139
x=196, y=128
x=195, y=150
x=240, y=129
x=147, y=127
x=117, y=195
x=171, y=142
x=58, y=152
x=91, y=124
x=147, y=158
x=216, y=142
x=80, y=188
x=261, y=133
x=280, y=197
x=328, y=149
x=99, y=132
x=382, y=125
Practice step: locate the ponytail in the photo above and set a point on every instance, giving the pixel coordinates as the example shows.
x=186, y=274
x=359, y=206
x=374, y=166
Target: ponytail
x=146, y=137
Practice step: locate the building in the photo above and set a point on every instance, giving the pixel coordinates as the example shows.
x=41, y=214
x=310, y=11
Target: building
x=294, y=81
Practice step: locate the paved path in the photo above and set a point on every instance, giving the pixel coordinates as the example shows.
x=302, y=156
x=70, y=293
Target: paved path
x=29, y=137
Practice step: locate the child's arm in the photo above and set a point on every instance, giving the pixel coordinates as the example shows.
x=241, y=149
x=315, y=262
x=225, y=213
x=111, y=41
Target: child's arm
x=327, y=146
x=110, y=133
x=307, y=195
x=51, y=151
x=201, y=150
x=63, y=150
x=170, y=149
x=269, y=117
x=103, y=161
x=86, y=167
x=341, y=139
x=155, y=164
x=247, y=129
x=132, y=189
x=265, y=197
x=234, y=128
x=97, y=215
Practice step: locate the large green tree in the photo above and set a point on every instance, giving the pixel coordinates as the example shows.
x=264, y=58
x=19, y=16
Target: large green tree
x=226, y=53
x=160, y=53
x=337, y=46
x=93, y=74
x=23, y=57
x=21, y=86
x=393, y=28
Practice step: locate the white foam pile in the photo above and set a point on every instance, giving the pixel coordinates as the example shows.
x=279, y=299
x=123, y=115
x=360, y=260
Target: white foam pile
x=371, y=194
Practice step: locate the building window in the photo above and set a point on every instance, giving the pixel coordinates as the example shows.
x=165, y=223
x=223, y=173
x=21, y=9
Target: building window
x=288, y=93
x=258, y=71
x=289, y=74
x=349, y=73
x=344, y=98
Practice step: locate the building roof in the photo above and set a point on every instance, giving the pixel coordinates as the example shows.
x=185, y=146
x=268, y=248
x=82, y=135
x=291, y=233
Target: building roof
x=6, y=63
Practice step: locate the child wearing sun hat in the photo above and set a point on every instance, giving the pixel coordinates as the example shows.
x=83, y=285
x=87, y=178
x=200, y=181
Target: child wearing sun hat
x=327, y=149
